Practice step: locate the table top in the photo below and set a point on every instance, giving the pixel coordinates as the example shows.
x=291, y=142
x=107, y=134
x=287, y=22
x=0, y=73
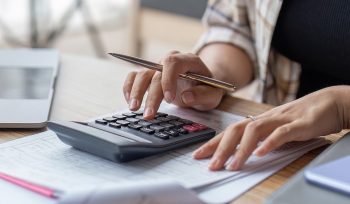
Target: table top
x=89, y=87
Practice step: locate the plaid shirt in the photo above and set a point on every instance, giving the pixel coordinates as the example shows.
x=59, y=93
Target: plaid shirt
x=249, y=24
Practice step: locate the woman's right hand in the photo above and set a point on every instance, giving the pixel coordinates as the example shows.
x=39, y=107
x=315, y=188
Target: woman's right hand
x=168, y=85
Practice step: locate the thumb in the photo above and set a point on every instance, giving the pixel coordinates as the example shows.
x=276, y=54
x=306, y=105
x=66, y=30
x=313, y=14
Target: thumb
x=202, y=97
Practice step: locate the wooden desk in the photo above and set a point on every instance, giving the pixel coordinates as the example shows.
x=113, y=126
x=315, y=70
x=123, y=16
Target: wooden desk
x=89, y=87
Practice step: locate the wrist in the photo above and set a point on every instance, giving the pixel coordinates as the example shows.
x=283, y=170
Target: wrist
x=228, y=63
x=341, y=96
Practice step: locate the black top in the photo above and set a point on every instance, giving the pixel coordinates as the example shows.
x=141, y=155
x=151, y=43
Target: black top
x=316, y=33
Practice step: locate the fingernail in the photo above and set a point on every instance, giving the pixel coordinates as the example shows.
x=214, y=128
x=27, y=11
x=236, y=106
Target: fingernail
x=196, y=153
x=148, y=112
x=133, y=104
x=168, y=96
x=259, y=151
x=256, y=152
x=188, y=97
x=127, y=96
x=233, y=165
x=214, y=164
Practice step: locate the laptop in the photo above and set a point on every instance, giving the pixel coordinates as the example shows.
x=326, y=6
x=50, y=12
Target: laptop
x=299, y=190
x=27, y=78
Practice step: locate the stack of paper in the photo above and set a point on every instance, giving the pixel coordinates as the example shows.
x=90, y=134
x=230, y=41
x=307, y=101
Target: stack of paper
x=45, y=160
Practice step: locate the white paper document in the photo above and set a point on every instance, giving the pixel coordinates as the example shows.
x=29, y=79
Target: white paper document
x=230, y=189
x=141, y=192
x=45, y=160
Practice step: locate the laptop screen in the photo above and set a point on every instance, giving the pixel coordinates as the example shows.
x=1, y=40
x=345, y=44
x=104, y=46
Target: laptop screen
x=25, y=82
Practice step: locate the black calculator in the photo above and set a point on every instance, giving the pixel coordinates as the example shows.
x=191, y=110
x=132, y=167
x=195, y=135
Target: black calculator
x=127, y=136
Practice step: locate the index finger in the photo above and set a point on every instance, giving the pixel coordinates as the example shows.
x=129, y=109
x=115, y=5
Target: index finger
x=227, y=145
x=175, y=64
x=254, y=132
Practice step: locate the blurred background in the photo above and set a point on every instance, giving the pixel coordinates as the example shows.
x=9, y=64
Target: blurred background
x=147, y=28
x=92, y=28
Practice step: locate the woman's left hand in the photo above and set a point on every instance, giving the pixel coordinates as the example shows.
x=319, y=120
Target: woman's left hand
x=314, y=115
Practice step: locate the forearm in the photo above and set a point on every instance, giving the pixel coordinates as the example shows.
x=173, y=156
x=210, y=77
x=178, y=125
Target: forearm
x=228, y=63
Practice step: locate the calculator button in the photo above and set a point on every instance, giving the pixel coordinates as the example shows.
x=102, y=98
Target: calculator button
x=190, y=128
x=172, y=133
x=132, y=120
x=109, y=119
x=115, y=125
x=102, y=122
x=129, y=114
x=135, y=126
x=186, y=122
x=163, y=119
x=172, y=117
x=182, y=131
x=144, y=123
x=147, y=130
x=161, y=135
x=166, y=125
x=154, y=121
x=123, y=122
x=157, y=128
x=199, y=126
x=119, y=117
x=159, y=114
x=176, y=123
x=140, y=112
x=139, y=117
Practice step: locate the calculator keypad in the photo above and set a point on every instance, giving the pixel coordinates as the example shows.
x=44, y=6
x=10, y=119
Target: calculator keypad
x=163, y=126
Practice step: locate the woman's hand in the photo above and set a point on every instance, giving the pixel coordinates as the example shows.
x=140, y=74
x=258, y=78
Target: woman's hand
x=314, y=115
x=167, y=84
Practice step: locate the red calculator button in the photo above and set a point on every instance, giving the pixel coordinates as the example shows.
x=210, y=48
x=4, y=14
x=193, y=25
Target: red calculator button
x=199, y=126
x=190, y=128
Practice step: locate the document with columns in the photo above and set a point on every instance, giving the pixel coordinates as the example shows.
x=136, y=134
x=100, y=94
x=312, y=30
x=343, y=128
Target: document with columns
x=45, y=160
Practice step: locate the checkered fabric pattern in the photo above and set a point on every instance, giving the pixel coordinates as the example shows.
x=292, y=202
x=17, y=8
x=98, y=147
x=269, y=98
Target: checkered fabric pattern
x=249, y=24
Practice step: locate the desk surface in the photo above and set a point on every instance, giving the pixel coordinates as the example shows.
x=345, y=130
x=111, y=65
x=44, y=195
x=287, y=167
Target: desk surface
x=89, y=87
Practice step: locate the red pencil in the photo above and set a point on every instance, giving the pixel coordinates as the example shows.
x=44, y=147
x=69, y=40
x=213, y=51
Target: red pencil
x=45, y=191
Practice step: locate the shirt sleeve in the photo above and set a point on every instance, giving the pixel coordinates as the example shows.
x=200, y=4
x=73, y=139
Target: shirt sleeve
x=227, y=21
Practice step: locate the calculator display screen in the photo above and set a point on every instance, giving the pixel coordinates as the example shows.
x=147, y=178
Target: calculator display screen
x=25, y=83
